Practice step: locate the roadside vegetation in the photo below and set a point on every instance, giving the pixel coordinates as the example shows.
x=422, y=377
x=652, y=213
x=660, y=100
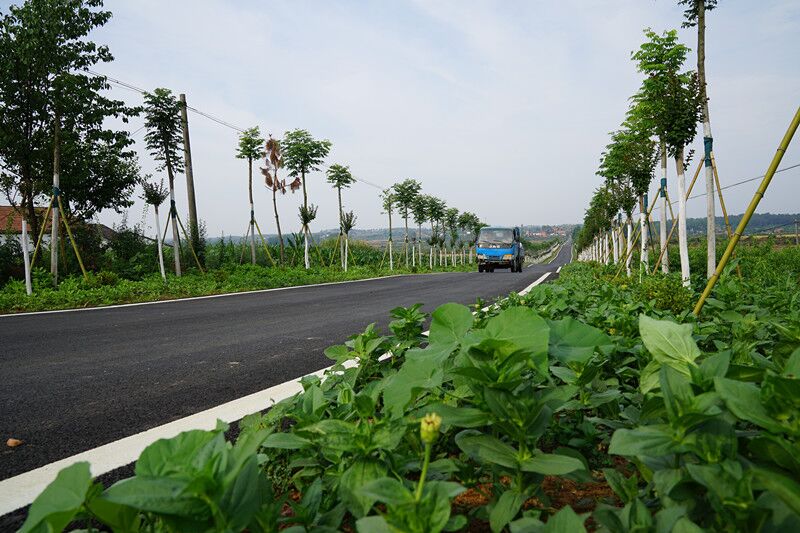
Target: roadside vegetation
x=594, y=401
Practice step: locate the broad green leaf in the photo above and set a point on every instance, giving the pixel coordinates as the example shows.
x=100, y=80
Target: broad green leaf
x=551, y=464
x=436, y=505
x=792, y=367
x=242, y=498
x=120, y=518
x=652, y=441
x=60, y=501
x=402, y=387
x=626, y=488
x=462, y=417
x=744, y=401
x=505, y=509
x=373, y=524
x=574, y=341
x=171, y=456
x=486, y=448
x=785, y=488
x=565, y=521
x=285, y=441
x=158, y=495
x=527, y=330
x=668, y=341
x=387, y=490
x=449, y=323
x=354, y=478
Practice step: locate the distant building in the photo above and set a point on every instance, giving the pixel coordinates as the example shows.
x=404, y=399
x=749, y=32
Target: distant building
x=11, y=226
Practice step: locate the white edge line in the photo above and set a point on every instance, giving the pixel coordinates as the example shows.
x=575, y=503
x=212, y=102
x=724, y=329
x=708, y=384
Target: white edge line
x=18, y=491
x=173, y=300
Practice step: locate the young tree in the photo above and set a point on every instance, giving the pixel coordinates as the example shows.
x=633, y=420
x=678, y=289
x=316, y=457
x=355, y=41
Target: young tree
x=154, y=194
x=250, y=143
x=274, y=163
x=405, y=192
x=695, y=15
x=52, y=115
x=340, y=177
x=303, y=154
x=388, y=199
x=436, y=211
x=451, y=221
x=669, y=101
x=627, y=165
x=471, y=224
x=307, y=216
x=348, y=223
x=163, y=138
x=419, y=209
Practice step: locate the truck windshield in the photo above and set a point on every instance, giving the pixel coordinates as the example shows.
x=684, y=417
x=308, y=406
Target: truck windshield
x=495, y=236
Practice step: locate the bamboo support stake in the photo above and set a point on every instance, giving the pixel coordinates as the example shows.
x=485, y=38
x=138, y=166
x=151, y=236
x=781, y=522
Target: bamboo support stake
x=71, y=238
x=189, y=242
x=722, y=205
x=674, y=223
x=264, y=243
x=776, y=160
x=41, y=232
x=636, y=237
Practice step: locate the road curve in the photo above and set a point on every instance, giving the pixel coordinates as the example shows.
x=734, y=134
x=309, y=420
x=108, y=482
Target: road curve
x=76, y=380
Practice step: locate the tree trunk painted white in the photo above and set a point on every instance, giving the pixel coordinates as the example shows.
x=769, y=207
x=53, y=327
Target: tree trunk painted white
x=662, y=230
x=56, y=184
x=252, y=236
x=711, y=225
x=683, y=246
x=252, y=211
x=26, y=258
x=306, y=258
x=175, y=237
x=629, y=252
x=391, y=257
x=615, y=244
x=708, y=142
x=643, y=256
x=430, y=258
x=158, y=242
x=346, y=250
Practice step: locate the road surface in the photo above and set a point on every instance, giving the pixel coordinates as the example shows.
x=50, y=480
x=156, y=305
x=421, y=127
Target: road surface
x=76, y=380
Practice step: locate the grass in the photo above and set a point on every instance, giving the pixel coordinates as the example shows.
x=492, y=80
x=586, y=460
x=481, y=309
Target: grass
x=107, y=289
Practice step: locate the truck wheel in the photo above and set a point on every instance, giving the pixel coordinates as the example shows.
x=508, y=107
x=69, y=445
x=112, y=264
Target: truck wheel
x=480, y=268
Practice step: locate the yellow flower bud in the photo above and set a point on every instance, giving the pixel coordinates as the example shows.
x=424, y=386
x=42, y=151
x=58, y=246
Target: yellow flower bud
x=429, y=428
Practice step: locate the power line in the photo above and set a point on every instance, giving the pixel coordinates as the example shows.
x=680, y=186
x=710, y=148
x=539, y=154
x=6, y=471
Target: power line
x=736, y=184
x=213, y=118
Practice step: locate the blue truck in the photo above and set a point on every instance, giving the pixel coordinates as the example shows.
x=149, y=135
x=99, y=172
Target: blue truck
x=499, y=248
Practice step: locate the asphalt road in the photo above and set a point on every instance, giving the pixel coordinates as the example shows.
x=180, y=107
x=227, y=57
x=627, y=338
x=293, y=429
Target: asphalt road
x=72, y=381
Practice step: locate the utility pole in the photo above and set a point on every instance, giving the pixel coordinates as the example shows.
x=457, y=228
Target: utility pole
x=194, y=229
x=797, y=232
x=54, y=198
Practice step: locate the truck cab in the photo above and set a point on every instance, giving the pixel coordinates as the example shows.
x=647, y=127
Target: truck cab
x=499, y=248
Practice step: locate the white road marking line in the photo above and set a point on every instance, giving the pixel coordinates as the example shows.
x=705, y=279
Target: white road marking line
x=31, y=313
x=22, y=489
x=558, y=270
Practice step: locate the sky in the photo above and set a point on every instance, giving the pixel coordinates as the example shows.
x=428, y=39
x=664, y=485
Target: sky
x=500, y=108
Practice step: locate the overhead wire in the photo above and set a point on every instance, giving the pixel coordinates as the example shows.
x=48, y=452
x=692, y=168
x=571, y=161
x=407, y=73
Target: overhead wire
x=218, y=120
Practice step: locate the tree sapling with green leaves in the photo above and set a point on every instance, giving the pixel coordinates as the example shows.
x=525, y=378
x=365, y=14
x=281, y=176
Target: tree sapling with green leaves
x=405, y=192
x=303, y=154
x=341, y=178
x=154, y=194
x=250, y=148
x=163, y=138
x=669, y=102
